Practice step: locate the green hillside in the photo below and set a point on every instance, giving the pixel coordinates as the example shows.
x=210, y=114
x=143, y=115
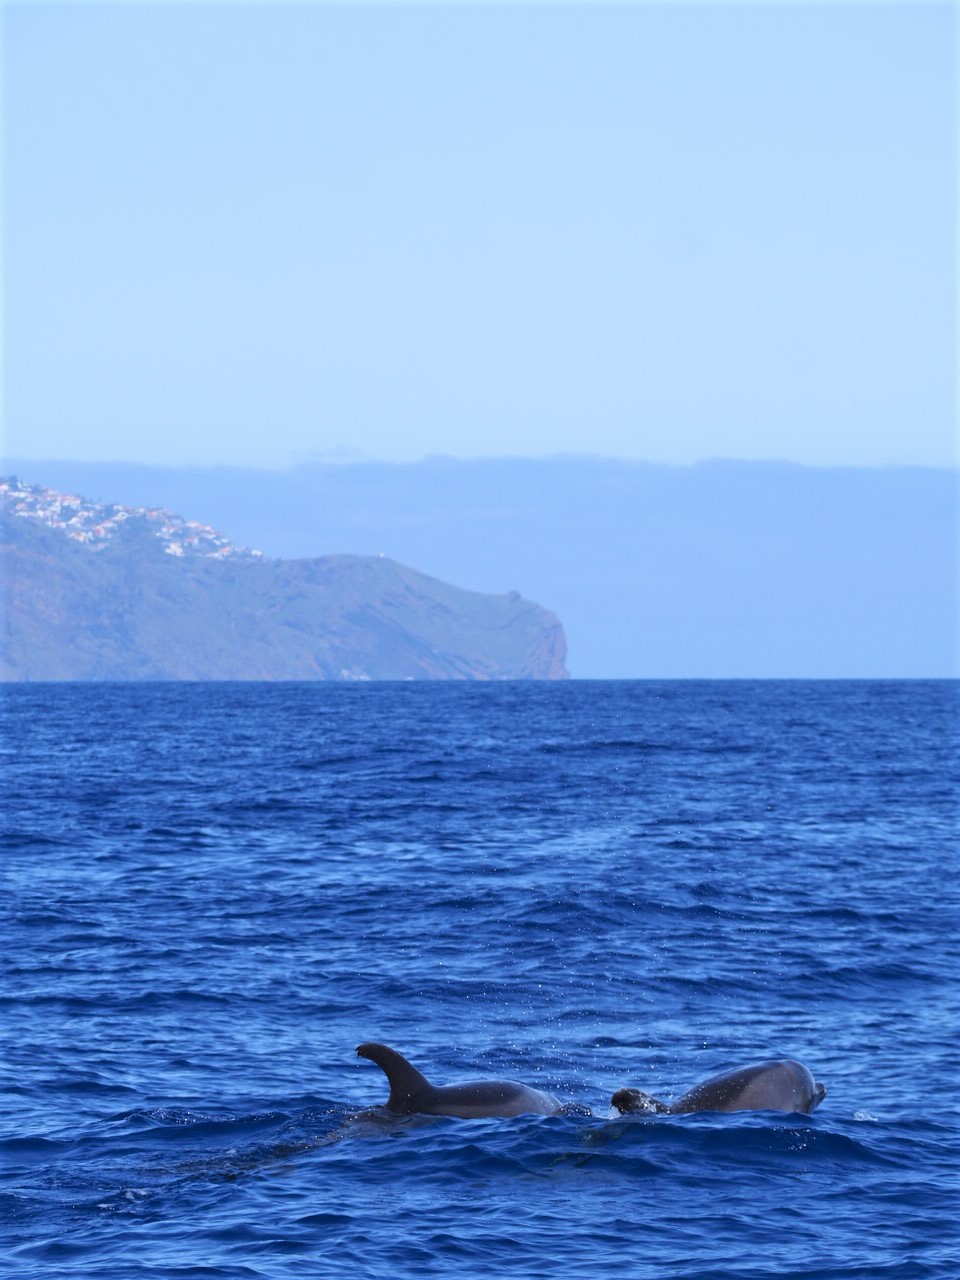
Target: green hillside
x=130, y=611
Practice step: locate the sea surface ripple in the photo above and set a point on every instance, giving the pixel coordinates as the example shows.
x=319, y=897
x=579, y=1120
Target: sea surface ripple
x=213, y=893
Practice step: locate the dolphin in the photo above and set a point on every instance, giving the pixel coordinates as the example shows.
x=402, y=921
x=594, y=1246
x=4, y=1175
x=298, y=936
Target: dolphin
x=780, y=1084
x=411, y=1093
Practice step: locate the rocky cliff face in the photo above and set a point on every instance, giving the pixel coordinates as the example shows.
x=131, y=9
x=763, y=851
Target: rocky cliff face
x=112, y=593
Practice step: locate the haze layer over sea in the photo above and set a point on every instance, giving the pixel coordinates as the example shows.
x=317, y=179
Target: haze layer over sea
x=215, y=892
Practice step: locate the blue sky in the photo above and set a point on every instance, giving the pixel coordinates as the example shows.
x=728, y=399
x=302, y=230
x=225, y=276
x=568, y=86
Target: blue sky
x=255, y=234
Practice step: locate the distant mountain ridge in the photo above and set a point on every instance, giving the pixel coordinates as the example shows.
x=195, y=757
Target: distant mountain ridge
x=96, y=591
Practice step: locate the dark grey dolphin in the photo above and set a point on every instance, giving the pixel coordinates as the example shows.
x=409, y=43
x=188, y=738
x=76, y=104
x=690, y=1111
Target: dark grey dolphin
x=778, y=1085
x=411, y=1093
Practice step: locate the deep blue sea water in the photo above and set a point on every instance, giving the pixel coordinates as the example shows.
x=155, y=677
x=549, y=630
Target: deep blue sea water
x=213, y=893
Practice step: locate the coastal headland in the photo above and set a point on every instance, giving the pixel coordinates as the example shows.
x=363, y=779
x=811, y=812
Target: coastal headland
x=97, y=591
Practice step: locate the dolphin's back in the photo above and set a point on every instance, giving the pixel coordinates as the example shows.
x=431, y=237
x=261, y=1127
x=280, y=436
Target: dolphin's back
x=781, y=1084
x=490, y=1097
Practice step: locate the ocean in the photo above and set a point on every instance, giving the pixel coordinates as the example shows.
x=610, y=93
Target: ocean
x=214, y=893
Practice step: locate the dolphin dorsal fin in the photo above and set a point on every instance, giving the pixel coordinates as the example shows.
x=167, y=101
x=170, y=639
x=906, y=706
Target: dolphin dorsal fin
x=406, y=1082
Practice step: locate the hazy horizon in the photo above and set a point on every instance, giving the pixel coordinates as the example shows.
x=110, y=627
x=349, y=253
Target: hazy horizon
x=716, y=570
x=8, y=460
